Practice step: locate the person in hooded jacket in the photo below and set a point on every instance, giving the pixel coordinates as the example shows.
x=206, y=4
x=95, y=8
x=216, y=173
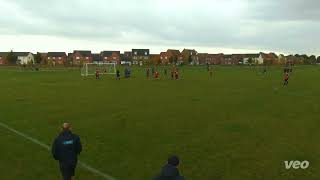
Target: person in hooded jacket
x=65, y=149
x=170, y=171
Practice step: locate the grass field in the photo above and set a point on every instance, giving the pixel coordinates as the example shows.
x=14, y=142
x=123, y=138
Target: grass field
x=239, y=125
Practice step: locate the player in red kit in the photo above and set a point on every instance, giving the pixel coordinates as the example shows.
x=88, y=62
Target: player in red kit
x=97, y=74
x=156, y=75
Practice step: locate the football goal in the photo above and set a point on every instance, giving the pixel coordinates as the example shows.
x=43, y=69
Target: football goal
x=89, y=69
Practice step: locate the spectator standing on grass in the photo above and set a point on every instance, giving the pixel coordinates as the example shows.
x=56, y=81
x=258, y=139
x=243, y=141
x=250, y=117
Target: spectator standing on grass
x=170, y=171
x=65, y=149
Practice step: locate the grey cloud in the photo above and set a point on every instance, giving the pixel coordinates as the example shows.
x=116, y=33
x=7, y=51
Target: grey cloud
x=283, y=25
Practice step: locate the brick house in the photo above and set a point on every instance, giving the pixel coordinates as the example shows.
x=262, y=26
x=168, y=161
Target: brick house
x=270, y=58
x=43, y=56
x=3, y=57
x=155, y=59
x=80, y=57
x=58, y=58
x=127, y=56
x=96, y=58
x=170, y=56
x=237, y=58
x=202, y=57
x=215, y=58
x=140, y=56
x=190, y=56
x=111, y=56
x=227, y=59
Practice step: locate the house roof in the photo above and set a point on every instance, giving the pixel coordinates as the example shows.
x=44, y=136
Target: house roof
x=2, y=54
x=109, y=53
x=56, y=54
x=83, y=53
x=21, y=53
x=96, y=57
x=141, y=52
x=270, y=55
x=252, y=55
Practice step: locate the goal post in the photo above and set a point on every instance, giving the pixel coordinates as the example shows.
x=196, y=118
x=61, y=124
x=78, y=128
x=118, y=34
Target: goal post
x=89, y=69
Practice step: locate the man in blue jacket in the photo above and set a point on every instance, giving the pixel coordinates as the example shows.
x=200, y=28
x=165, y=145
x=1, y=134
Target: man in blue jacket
x=65, y=149
x=170, y=171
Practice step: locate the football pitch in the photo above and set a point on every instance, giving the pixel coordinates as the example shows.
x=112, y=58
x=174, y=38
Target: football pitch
x=237, y=125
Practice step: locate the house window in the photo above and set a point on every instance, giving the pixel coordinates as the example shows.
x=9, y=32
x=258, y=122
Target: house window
x=146, y=53
x=114, y=58
x=54, y=57
x=135, y=53
x=60, y=58
x=87, y=57
x=0, y=57
x=166, y=57
x=49, y=58
x=77, y=57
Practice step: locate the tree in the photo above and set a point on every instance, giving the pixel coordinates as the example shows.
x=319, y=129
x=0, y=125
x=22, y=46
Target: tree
x=318, y=60
x=313, y=59
x=38, y=58
x=12, y=58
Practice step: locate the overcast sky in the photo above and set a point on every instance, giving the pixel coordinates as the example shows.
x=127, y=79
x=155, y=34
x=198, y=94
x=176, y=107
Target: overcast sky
x=229, y=26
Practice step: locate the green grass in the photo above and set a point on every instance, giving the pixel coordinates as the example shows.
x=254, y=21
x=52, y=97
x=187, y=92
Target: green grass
x=239, y=125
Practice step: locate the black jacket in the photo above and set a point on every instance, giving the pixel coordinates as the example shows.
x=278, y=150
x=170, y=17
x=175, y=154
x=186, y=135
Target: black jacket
x=66, y=147
x=169, y=172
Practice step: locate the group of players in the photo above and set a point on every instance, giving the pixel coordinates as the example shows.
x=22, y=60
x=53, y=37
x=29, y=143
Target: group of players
x=152, y=72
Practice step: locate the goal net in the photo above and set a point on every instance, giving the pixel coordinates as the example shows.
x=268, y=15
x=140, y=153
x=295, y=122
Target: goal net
x=89, y=69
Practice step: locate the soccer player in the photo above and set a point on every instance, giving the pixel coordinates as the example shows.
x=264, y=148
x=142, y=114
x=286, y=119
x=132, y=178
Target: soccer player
x=170, y=171
x=156, y=75
x=65, y=149
x=118, y=74
x=286, y=79
x=97, y=74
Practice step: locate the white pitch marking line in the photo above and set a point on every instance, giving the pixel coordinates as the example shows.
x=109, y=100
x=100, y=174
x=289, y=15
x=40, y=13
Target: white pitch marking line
x=35, y=141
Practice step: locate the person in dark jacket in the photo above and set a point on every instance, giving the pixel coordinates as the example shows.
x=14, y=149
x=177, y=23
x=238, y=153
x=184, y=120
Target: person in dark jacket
x=170, y=171
x=65, y=149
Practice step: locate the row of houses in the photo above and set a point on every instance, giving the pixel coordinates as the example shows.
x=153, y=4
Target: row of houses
x=143, y=56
